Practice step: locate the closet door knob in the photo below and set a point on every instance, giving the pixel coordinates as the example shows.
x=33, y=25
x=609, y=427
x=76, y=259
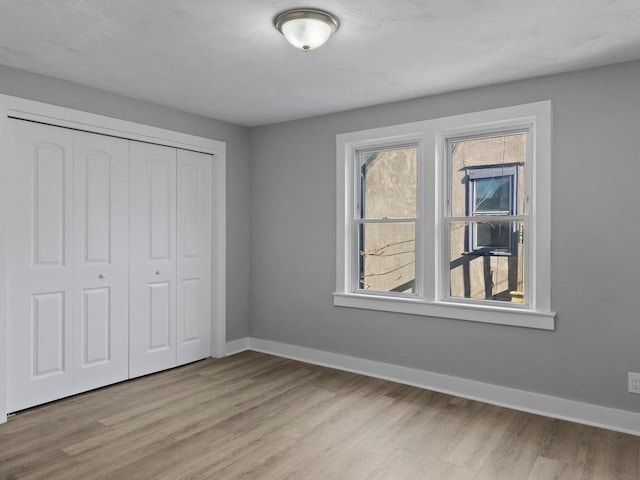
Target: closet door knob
x=157, y=272
x=101, y=276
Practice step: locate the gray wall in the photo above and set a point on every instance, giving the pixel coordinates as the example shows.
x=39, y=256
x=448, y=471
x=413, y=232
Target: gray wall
x=45, y=89
x=290, y=181
x=595, y=229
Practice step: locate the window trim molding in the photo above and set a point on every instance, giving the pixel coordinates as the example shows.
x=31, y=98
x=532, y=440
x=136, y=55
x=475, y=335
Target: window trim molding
x=431, y=135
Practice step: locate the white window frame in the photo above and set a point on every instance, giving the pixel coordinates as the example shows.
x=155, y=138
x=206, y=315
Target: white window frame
x=431, y=297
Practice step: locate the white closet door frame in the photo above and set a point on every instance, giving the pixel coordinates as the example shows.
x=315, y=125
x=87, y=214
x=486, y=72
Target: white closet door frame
x=14, y=107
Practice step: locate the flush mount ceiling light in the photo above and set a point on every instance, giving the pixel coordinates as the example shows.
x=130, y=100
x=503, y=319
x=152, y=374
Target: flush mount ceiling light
x=306, y=28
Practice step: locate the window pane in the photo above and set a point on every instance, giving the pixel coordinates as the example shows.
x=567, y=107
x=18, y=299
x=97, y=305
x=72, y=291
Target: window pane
x=492, y=195
x=493, y=236
x=387, y=257
x=389, y=182
x=488, y=165
x=487, y=276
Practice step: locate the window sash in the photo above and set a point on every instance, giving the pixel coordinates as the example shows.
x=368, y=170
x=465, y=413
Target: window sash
x=359, y=179
x=444, y=277
x=358, y=268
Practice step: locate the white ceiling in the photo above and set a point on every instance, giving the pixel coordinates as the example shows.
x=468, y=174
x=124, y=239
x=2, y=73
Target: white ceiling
x=223, y=58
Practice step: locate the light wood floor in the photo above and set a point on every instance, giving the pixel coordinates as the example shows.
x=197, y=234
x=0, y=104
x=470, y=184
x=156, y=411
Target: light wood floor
x=255, y=416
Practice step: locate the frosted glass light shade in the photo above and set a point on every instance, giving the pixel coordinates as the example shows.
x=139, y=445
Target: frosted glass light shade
x=306, y=33
x=306, y=28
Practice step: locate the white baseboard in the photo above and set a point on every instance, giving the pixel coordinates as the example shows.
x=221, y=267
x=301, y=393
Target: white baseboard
x=237, y=346
x=554, y=407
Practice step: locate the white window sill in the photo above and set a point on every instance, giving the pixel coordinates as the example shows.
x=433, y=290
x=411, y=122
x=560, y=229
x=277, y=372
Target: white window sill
x=519, y=317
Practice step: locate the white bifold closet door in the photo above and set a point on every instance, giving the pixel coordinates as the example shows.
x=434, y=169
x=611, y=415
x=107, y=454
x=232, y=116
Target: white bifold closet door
x=152, y=321
x=194, y=256
x=66, y=302
x=170, y=316
x=101, y=261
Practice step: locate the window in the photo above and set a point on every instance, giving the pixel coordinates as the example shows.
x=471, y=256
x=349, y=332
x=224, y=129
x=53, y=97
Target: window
x=491, y=192
x=441, y=218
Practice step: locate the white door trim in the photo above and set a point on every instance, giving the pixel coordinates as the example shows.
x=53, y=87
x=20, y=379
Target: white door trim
x=14, y=107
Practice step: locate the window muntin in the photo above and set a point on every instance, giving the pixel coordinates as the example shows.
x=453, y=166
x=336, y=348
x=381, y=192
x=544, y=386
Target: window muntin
x=386, y=219
x=485, y=245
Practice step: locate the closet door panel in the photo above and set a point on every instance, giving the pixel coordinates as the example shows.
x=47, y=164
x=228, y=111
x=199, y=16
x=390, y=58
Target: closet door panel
x=40, y=239
x=194, y=256
x=48, y=334
x=159, y=316
x=101, y=261
x=153, y=259
x=96, y=324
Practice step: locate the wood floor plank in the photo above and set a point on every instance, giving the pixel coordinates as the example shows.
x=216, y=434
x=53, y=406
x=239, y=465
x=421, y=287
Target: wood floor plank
x=392, y=435
x=422, y=449
x=549, y=469
x=39, y=466
x=568, y=442
x=345, y=431
x=278, y=411
x=249, y=367
x=52, y=437
x=348, y=397
x=210, y=413
x=354, y=464
x=241, y=462
x=204, y=446
x=346, y=422
x=201, y=411
x=143, y=404
x=105, y=453
x=159, y=412
x=168, y=414
x=74, y=409
x=472, y=445
x=441, y=470
x=295, y=462
x=518, y=449
x=611, y=455
x=257, y=417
